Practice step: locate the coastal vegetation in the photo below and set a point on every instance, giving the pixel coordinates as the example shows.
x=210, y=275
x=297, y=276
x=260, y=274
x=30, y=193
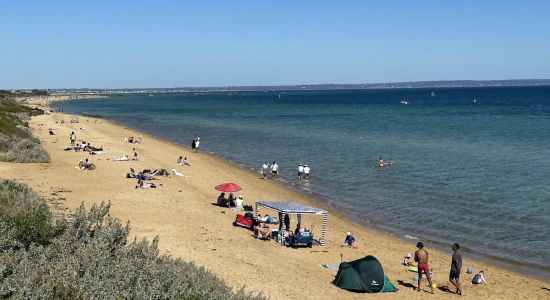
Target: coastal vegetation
x=16, y=141
x=89, y=256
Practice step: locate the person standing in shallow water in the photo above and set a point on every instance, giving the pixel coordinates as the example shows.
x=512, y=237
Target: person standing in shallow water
x=456, y=267
x=421, y=257
x=264, y=169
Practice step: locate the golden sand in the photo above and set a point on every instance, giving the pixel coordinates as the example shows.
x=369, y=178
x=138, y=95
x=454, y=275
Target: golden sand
x=190, y=227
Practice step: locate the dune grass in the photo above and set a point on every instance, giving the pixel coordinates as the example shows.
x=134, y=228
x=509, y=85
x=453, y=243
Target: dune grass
x=16, y=141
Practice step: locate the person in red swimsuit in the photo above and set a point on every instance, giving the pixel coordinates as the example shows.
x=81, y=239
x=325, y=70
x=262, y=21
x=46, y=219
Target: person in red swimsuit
x=421, y=257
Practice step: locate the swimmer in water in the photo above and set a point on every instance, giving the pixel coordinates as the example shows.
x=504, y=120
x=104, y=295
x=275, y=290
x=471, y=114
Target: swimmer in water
x=381, y=163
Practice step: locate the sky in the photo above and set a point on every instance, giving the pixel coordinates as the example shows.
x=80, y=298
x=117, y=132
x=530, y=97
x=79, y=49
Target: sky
x=139, y=44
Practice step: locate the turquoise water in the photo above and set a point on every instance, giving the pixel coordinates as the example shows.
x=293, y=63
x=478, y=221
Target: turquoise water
x=470, y=172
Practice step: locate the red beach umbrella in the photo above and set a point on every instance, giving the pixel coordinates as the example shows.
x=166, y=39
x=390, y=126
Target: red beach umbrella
x=228, y=187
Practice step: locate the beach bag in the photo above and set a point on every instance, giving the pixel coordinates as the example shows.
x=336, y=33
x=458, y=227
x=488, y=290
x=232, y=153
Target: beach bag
x=242, y=221
x=249, y=215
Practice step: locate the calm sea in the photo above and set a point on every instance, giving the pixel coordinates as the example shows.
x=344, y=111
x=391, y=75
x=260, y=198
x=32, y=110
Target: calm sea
x=472, y=164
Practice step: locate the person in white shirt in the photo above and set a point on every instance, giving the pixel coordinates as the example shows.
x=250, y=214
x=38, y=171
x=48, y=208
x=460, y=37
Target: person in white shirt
x=264, y=169
x=239, y=202
x=274, y=170
x=300, y=171
x=306, y=171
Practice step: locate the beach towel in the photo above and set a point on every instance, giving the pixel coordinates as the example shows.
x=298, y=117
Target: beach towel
x=329, y=266
x=175, y=172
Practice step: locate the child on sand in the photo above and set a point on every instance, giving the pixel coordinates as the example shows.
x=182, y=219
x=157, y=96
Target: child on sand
x=479, y=278
x=349, y=241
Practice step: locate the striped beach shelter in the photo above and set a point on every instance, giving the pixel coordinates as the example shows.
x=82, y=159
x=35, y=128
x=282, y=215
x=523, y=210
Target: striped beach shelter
x=294, y=208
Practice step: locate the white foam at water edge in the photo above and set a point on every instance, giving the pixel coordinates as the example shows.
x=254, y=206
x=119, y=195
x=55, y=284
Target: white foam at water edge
x=410, y=237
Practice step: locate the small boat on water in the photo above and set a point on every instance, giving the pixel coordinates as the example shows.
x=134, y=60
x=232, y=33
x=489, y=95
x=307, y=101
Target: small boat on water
x=405, y=102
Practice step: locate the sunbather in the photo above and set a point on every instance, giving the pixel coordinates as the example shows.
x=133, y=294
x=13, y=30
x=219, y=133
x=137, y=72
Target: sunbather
x=86, y=165
x=131, y=174
x=264, y=232
x=175, y=172
x=122, y=158
x=145, y=185
x=183, y=162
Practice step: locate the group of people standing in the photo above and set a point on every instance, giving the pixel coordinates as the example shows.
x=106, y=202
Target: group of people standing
x=421, y=258
x=303, y=170
x=274, y=168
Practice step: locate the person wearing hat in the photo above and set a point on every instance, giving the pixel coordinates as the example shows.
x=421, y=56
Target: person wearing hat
x=349, y=241
x=421, y=257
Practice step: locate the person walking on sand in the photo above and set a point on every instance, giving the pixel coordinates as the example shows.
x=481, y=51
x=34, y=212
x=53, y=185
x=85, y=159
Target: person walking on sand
x=274, y=170
x=264, y=169
x=421, y=257
x=456, y=266
x=72, y=137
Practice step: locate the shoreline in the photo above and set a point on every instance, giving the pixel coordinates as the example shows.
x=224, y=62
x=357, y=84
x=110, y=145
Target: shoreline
x=528, y=269
x=337, y=221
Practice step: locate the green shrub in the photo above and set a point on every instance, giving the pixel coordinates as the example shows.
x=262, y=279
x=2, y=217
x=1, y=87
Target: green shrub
x=25, y=150
x=92, y=259
x=24, y=217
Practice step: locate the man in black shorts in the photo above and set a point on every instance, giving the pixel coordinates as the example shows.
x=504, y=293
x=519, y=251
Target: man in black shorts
x=456, y=266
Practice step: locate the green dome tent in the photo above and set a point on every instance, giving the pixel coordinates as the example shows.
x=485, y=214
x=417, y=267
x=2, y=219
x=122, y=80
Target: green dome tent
x=363, y=275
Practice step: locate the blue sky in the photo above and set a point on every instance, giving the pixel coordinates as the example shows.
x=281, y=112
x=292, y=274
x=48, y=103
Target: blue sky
x=116, y=44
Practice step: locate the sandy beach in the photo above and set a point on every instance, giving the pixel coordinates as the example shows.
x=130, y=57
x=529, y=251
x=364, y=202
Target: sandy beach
x=190, y=227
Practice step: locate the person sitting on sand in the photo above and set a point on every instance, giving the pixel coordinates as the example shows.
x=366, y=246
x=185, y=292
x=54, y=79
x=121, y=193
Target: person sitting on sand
x=479, y=278
x=264, y=232
x=221, y=201
x=122, y=158
x=421, y=257
x=50, y=131
x=298, y=229
x=183, y=162
x=86, y=165
x=239, y=202
x=131, y=174
x=407, y=260
x=349, y=241
x=231, y=200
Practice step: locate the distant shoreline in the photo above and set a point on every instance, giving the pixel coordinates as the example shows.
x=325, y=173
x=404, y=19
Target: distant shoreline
x=105, y=92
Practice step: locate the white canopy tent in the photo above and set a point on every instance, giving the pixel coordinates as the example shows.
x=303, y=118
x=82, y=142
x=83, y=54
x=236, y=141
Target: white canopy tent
x=291, y=207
